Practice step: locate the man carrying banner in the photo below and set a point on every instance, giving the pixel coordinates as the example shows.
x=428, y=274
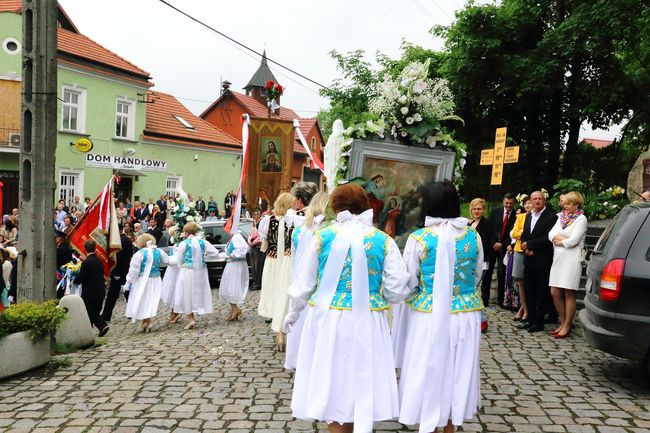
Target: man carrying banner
x=93, y=286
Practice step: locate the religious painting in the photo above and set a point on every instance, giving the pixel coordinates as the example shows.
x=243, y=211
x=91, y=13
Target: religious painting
x=392, y=174
x=271, y=154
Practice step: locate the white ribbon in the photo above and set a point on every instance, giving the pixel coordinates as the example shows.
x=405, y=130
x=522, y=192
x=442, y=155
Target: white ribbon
x=439, y=341
x=350, y=238
x=142, y=281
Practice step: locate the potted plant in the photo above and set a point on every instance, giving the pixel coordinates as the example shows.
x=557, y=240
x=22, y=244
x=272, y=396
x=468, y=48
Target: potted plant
x=25, y=335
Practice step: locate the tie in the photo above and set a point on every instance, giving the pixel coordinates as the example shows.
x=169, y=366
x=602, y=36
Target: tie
x=505, y=222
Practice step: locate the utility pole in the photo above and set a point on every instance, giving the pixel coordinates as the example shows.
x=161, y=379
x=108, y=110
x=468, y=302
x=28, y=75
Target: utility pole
x=37, y=260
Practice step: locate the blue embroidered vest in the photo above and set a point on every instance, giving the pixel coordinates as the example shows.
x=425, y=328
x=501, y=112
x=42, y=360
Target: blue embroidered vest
x=376, y=245
x=230, y=248
x=155, y=266
x=295, y=236
x=187, y=255
x=465, y=296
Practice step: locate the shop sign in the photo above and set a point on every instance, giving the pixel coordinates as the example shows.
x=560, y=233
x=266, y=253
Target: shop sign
x=125, y=162
x=83, y=145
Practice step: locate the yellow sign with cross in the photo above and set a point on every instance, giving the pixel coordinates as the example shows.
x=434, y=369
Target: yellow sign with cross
x=499, y=155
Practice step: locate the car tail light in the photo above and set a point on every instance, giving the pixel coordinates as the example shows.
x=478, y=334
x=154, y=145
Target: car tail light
x=610, y=280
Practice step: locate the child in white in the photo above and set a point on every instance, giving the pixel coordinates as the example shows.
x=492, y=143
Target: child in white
x=234, y=281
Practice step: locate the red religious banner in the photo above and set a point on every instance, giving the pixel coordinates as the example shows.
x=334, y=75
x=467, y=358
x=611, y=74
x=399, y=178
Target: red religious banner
x=99, y=223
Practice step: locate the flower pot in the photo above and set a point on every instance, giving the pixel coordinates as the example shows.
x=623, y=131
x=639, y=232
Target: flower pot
x=20, y=354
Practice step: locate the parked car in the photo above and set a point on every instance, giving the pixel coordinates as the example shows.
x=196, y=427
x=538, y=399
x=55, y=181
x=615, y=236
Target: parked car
x=215, y=233
x=616, y=317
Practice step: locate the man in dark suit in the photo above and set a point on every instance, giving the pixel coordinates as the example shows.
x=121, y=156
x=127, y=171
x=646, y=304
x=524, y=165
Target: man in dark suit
x=118, y=277
x=162, y=204
x=538, y=259
x=154, y=229
x=93, y=286
x=141, y=213
x=200, y=206
x=500, y=223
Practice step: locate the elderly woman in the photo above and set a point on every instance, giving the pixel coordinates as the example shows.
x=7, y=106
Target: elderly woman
x=275, y=232
x=438, y=336
x=568, y=237
x=518, y=255
x=345, y=373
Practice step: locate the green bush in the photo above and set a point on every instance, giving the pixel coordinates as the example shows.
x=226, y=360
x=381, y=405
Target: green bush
x=38, y=319
x=598, y=204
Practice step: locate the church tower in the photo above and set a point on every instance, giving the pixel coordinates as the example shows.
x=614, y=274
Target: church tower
x=263, y=75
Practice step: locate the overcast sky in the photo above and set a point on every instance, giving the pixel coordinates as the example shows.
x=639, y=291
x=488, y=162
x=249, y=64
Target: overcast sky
x=189, y=61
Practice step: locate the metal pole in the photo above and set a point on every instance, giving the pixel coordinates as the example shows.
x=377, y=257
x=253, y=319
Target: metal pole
x=37, y=260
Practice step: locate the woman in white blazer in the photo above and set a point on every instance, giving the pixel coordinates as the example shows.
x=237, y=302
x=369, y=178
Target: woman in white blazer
x=568, y=237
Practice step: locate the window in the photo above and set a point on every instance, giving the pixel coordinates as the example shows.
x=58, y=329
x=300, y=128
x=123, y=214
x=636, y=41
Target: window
x=313, y=143
x=73, y=110
x=124, y=119
x=173, y=183
x=11, y=46
x=184, y=122
x=70, y=184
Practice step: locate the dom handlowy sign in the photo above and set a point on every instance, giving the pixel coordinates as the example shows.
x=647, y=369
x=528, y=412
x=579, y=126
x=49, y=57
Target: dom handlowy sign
x=125, y=162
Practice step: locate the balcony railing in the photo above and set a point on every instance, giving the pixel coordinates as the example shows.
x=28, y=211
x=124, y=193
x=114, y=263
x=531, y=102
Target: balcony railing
x=10, y=136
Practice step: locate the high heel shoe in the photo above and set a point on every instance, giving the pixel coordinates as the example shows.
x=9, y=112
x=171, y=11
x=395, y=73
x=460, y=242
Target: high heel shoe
x=565, y=335
x=149, y=327
x=190, y=325
x=174, y=317
x=281, y=344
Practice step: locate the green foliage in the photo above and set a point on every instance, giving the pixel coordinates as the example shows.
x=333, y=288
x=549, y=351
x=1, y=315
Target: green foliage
x=99, y=342
x=606, y=166
x=38, y=319
x=59, y=362
x=60, y=348
x=599, y=204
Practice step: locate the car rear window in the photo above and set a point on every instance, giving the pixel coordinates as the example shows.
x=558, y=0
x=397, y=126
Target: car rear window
x=608, y=238
x=216, y=235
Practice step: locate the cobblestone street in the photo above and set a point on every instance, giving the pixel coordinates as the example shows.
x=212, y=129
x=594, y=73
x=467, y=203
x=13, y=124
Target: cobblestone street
x=226, y=377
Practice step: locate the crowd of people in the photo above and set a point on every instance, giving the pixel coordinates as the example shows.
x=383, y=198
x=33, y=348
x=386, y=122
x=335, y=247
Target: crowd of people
x=538, y=254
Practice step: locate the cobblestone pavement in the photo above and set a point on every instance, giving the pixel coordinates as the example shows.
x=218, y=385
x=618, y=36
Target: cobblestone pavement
x=226, y=377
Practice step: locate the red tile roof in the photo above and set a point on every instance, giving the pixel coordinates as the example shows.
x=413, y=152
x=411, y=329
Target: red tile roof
x=254, y=107
x=161, y=124
x=81, y=46
x=597, y=143
x=11, y=6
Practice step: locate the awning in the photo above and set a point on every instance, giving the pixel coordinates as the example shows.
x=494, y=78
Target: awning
x=124, y=172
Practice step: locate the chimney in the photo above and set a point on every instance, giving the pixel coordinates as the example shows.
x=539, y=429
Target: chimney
x=225, y=87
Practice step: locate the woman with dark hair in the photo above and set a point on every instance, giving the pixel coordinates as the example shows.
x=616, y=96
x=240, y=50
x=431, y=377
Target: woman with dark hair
x=345, y=373
x=437, y=335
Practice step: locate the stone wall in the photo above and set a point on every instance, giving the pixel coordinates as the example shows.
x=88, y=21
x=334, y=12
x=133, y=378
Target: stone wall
x=635, y=178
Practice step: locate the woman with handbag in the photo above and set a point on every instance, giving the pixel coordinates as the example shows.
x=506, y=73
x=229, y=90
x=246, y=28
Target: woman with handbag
x=568, y=237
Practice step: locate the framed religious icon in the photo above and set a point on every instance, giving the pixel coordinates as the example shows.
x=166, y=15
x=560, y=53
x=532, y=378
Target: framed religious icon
x=391, y=174
x=271, y=154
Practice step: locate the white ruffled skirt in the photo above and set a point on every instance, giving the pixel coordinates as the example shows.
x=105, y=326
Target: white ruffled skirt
x=144, y=305
x=325, y=372
x=460, y=397
x=274, y=300
x=234, y=283
x=192, y=292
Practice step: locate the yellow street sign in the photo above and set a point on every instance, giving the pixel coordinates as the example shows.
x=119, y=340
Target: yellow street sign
x=83, y=145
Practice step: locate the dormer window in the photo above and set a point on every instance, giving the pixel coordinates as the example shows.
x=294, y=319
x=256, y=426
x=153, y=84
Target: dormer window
x=184, y=122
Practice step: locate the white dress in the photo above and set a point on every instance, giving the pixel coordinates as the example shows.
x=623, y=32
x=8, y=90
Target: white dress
x=431, y=395
x=345, y=370
x=276, y=275
x=567, y=259
x=169, y=279
x=234, y=280
x=192, y=292
x=300, y=240
x=145, y=288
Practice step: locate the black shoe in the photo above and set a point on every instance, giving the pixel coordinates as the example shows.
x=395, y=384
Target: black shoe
x=104, y=331
x=535, y=328
x=524, y=325
x=268, y=321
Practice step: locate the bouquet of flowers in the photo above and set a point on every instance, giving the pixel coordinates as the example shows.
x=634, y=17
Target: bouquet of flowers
x=184, y=211
x=273, y=90
x=68, y=273
x=415, y=107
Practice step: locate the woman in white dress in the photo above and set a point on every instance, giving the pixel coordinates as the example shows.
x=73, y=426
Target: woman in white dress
x=345, y=374
x=568, y=237
x=145, y=282
x=301, y=237
x=169, y=283
x=438, y=333
x=275, y=232
x=234, y=280
x=192, y=294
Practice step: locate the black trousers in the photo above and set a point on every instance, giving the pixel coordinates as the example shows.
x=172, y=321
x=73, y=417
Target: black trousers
x=538, y=294
x=111, y=297
x=496, y=260
x=257, y=266
x=93, y=307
